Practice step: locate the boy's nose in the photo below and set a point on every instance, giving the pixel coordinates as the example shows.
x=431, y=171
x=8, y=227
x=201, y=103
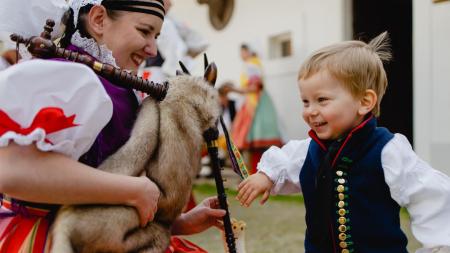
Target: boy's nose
x=312, y=110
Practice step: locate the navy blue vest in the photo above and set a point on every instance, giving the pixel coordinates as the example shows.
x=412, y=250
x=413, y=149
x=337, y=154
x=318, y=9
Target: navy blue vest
x=364, y=217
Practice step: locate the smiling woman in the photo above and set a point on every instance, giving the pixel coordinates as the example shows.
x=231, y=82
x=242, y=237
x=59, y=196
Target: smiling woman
x=122, y=33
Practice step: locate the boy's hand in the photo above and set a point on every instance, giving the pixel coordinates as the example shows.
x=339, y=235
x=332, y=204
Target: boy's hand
x=253, y=186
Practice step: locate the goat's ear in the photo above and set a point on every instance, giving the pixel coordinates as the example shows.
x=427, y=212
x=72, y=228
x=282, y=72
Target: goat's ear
x=211, y=74
x=185, y=70
x=205, y=61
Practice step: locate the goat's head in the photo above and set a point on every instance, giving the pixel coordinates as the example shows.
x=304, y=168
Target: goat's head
x=197, y=93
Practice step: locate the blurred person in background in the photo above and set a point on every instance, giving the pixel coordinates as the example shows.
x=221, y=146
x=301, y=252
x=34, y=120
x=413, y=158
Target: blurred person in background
x=255, y=127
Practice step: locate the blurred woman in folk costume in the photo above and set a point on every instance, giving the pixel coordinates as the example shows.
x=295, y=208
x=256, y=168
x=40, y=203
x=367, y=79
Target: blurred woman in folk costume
x=255, y=127
x=69, y=120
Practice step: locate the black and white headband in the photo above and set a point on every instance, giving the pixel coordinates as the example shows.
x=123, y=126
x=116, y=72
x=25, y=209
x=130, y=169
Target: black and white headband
x=152, y=7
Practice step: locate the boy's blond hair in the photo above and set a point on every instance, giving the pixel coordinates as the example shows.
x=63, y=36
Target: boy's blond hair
x=358, y=65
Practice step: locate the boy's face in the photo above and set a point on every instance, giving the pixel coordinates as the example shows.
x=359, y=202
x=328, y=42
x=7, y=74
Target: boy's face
x=328, y=107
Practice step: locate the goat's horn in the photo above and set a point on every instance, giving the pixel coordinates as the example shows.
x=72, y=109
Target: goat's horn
x=185, y=70
x=205, y=60
x=211, y=73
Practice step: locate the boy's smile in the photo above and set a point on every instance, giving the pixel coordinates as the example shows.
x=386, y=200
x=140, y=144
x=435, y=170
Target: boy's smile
x=329, y=108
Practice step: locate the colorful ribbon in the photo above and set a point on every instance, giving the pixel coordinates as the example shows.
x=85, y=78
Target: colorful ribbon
x=237, y=162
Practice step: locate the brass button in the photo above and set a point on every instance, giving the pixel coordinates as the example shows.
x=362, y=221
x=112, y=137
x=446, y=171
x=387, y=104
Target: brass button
x=341, y=181
x=341, y=204
x=342, y=228
x=343, y=245
x=342, y=236
x=341, y=196
x=342, y=212
x=342, y=220
x=340, y=188
x=345, y=251
x=339, y=173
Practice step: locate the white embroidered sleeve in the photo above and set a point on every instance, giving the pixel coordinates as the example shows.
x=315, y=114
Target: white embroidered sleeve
x=424, y=191
x=283, y=165
x=57, y=106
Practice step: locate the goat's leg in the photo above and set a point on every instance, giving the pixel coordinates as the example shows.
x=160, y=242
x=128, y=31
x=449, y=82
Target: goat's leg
x=60, y=239
x=154, y=238
x=131, y=158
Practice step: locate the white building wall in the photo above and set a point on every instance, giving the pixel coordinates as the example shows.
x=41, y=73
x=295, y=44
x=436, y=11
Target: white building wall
x=431, y=42
x=312, y=23
x=315, y=23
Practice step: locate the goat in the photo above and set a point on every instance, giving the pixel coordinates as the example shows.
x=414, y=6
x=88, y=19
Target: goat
x=165, y=143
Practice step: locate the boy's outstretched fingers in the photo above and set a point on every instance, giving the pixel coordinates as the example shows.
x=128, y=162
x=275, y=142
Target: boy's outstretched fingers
x=242, y=184
x=250, y=197
x=242, y=189
x=244, y=194
x=265, y=197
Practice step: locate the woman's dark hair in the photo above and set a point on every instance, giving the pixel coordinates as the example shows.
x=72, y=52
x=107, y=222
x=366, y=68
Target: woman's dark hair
x=68, y=21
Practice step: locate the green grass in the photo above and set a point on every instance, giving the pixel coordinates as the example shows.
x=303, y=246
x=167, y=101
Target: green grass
x=209, y=189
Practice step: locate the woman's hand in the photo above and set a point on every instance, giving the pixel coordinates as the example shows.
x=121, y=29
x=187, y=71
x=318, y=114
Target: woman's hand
x=200, y=218
x=40, y=177
x=146, y=202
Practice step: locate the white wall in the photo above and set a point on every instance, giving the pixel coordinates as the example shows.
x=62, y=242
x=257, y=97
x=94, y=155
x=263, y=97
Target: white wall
x=312, y=23
x=431, y=42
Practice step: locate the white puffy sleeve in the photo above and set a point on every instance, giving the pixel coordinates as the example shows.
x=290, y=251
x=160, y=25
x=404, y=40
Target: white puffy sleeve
x=283, y=165
x=57, y=106
x=424, y=191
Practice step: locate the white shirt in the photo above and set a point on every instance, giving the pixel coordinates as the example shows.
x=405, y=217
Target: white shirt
x=413, y=184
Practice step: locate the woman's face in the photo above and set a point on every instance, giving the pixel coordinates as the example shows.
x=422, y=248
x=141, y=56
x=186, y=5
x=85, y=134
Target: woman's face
x=131, y=37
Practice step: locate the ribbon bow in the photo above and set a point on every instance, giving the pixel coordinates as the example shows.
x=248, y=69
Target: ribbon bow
x=50, y=119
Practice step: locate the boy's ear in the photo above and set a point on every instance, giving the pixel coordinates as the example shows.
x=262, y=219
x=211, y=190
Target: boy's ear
x=95, y=20
x=368, y=102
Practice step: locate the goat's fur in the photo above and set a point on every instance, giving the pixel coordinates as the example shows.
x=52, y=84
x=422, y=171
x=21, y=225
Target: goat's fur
x=166, y=142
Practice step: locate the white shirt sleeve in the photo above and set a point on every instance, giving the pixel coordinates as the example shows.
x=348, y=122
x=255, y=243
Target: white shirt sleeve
x=424, y=191
x=283, y=165
x=57, y=106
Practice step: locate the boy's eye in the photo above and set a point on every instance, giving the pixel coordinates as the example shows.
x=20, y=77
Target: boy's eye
x=322, y=99
x=305, y=102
